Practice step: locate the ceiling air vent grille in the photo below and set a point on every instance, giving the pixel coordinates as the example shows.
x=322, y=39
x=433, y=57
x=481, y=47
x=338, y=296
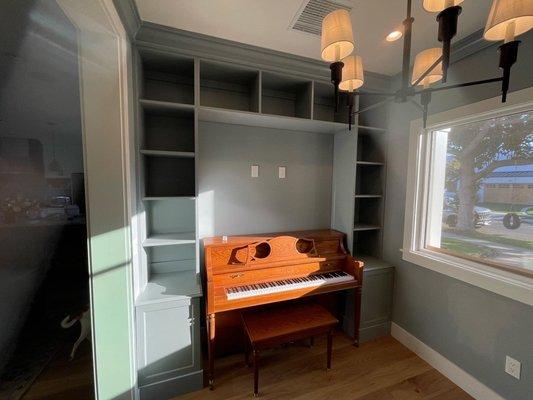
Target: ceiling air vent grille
x=309, y=17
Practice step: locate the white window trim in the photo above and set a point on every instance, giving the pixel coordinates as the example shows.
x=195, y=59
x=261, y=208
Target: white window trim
x=499, y=281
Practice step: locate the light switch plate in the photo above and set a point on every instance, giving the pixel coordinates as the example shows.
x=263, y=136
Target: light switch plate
x=282, y=172
x=512, y=367
x=255, y=171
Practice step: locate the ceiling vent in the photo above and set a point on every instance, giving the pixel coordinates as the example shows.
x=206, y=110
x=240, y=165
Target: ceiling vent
x=309, y=17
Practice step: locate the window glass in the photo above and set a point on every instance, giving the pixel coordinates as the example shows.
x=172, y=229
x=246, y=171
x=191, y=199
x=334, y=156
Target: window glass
x=480, y=200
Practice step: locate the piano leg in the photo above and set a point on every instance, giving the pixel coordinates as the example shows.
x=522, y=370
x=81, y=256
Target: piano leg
x=211, y=349
x=357, y=315
x=330, y=345
x=256, y=372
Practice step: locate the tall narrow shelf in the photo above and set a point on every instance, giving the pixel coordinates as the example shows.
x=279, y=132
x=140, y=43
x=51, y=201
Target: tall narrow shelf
x=370, y=176
x=168, y=286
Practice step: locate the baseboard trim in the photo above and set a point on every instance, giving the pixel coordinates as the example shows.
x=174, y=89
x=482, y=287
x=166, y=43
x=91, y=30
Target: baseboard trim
x=461, y=378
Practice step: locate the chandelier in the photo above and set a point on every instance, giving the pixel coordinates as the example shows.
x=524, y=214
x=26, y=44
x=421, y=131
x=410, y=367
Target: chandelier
x=507, y=20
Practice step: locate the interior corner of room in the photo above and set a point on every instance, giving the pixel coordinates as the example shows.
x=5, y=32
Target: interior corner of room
x=307, y=199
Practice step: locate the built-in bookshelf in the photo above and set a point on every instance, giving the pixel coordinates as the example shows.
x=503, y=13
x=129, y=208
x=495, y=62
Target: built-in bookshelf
x=166, y=143
x=370, y=177
x=175, y=93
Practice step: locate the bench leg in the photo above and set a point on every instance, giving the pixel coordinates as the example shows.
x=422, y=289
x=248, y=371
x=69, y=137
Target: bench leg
x=256, y=372
x=330, y=343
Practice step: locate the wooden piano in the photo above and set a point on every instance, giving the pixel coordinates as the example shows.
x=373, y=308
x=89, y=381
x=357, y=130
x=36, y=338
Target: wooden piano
x=253, y=270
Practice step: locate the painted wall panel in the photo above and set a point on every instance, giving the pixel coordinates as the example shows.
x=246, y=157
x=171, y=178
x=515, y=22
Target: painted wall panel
x=232, y=202
x=470, y=326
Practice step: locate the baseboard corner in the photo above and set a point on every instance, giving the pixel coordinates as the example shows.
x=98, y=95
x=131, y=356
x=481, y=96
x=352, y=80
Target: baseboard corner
x=457, y=375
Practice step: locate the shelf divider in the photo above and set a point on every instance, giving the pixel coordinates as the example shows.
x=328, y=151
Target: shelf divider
x=166, y=153
x=170, y=239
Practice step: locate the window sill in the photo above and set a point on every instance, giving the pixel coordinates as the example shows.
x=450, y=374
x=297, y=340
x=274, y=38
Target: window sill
x=504, y=283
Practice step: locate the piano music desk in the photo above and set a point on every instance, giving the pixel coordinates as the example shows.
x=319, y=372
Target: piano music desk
x=280, y=325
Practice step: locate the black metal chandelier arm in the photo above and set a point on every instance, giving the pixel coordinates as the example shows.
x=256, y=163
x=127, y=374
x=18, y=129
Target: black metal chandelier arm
x=372, y=106
x=459, y=85
x=386, y=94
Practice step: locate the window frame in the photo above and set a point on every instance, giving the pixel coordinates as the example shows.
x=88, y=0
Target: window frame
x=504, y=282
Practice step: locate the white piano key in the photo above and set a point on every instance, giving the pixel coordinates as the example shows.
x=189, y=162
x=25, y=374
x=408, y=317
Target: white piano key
x=240, y=292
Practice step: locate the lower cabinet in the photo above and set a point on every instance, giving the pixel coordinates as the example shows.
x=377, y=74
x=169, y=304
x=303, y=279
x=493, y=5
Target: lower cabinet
x=168, y=348
x=376, y=302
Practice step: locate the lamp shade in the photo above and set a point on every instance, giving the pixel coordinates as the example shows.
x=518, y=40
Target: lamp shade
x=423, y=61
x=352, y=73
x=514, y=14
x=439, y=5
x=337, y=36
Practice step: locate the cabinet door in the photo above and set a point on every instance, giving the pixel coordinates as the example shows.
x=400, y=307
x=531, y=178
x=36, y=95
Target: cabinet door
x=167, y=340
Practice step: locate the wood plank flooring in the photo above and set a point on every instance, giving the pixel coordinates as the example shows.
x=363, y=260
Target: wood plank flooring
x=63, y=379
x=379, y=370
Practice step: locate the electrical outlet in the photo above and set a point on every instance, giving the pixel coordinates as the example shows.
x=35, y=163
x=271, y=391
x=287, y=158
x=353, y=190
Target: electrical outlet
x=255, y=171
x=512, y=367
x=282, y=172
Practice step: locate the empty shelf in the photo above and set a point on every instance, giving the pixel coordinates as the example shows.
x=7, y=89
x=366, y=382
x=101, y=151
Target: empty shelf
x=165, y=153
x=373, y=263
x=170, y=286
x=368, y=196
x=170, y=239
x=376, y=163
x=371, y=129
x=212, y=114
x=157, y=198
x=165, y=106
x=365, y=227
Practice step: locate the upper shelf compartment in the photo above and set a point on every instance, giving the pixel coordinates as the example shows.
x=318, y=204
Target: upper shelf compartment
x=324, y=104
x=167, y=77
x=229, y=86
x=375, y=120
x=284, y=95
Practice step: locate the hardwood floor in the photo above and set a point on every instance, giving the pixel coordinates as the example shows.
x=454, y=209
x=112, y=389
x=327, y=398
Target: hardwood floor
x=63, y=379
x=379, y=370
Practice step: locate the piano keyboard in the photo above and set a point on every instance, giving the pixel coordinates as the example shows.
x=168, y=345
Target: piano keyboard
x=258, y=289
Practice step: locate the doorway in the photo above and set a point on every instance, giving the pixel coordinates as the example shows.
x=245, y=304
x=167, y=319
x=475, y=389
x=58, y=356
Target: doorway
x=44, y=278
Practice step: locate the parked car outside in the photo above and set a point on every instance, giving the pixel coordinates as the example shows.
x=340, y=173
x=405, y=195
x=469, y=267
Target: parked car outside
x=482, y=216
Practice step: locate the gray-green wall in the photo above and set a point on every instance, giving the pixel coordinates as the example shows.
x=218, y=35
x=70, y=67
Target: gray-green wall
x=472, y=327
x=231, y=202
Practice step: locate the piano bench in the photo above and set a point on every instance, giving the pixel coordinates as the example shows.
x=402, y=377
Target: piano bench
x=272, y=327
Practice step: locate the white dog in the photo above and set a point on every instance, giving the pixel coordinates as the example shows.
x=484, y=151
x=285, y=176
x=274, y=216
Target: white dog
x=85, y=333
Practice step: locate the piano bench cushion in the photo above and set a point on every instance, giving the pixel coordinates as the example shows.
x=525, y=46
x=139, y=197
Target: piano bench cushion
x=283, y=324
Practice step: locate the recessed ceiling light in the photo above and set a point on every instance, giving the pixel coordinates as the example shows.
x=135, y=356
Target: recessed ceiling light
x=393, y=36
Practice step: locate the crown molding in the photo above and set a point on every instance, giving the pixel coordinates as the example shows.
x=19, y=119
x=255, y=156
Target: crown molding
x=129, y=15
x=163, y=38
x=469, y=45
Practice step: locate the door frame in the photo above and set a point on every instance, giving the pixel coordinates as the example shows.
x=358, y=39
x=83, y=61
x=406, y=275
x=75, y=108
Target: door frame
x=104, y=57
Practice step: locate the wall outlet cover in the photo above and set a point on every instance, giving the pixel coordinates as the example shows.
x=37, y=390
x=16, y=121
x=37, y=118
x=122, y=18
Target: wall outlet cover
x=282, y=172
x=512, y=367
x=255, y=171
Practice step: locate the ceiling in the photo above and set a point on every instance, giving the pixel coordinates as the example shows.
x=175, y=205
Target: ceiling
x=265, y=23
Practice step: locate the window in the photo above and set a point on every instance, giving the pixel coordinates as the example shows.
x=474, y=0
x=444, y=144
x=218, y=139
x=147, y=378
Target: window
x=469, y=211
x=468, y=217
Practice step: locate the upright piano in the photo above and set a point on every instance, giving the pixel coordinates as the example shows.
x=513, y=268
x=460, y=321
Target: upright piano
x=253, y=270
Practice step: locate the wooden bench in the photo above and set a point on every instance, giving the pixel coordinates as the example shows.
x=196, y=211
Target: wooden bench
x=268, y=328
